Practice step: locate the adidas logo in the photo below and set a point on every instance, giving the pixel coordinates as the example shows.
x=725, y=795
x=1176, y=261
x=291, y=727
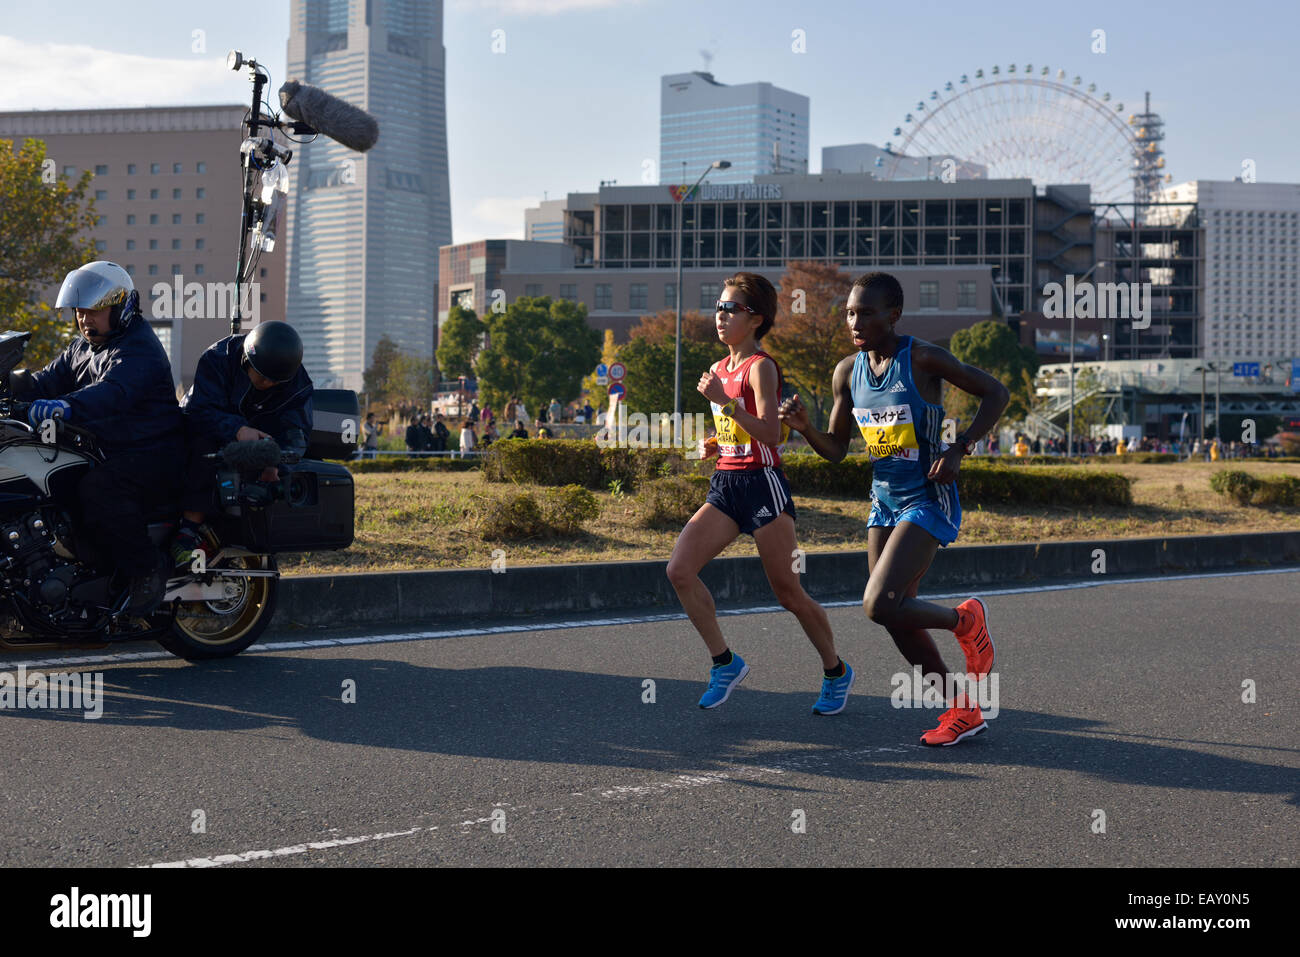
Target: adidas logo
x=763, y=513
x=897, y=387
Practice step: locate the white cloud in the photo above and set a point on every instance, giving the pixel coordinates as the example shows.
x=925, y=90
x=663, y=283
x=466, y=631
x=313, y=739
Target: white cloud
x=538, y=7
x=65, y=76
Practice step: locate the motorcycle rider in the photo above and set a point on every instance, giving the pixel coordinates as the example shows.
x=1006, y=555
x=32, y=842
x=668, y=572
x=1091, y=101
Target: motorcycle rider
x=246, y=387
x=116, y=381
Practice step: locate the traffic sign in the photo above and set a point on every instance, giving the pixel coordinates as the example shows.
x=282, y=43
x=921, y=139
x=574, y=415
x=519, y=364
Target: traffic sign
x=618, y=389
x=602, y=380
x=601, y=371
x=1245, y=369
x=617, y=370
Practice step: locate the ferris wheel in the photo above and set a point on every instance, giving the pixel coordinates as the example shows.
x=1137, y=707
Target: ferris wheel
x=1022, y=123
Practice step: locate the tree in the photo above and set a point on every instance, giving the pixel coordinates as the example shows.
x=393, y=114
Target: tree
x=1090, y=411
x=43, y=226
x=595, y=392
x=810, y=336
x=993, y=347
x=375, y=379
x=696, y=327
x=538, y=349
x=459, y=341
x=410, y=384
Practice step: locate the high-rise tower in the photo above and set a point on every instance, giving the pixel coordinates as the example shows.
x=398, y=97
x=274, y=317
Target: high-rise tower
x=364, y=229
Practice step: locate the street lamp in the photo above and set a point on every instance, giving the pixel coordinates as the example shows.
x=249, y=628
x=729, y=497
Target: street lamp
x=1069, y=442
x=677, y=357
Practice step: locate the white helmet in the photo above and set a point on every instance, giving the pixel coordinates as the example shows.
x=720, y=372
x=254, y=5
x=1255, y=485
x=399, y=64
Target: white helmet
x=98, y=285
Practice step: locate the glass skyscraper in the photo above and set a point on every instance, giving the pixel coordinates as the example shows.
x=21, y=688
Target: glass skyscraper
x=365, y=228
x=758, y=127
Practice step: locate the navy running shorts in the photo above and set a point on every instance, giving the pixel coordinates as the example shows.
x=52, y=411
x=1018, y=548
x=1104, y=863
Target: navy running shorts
x=751, y=497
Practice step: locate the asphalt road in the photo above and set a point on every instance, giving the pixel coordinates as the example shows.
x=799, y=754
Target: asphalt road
x=535, y=747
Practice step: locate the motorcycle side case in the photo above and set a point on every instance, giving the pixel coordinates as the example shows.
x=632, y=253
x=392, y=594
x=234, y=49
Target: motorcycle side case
x=335, y=413
x=319, y=514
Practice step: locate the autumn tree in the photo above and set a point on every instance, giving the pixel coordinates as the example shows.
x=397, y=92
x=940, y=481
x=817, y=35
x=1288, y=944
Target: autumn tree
x=44, y=235
x=651, y=358
x=810, y=335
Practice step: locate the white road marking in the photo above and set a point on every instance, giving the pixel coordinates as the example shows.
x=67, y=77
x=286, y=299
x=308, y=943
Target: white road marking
x=516, y=628
x=794, y=763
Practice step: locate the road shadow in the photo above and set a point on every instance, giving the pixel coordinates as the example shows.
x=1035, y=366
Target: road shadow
x=571, y=717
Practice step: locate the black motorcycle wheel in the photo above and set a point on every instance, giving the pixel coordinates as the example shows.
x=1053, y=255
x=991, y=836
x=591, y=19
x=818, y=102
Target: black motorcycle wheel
x=223, y=628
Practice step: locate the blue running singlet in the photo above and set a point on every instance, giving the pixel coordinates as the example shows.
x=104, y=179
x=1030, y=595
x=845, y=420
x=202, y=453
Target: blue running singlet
x=904, y=435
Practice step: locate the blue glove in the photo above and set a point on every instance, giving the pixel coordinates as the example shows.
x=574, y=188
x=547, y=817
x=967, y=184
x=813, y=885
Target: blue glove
x=43, y=409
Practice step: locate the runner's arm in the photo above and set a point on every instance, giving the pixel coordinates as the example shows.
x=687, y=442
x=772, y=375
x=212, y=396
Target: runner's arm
x=832, y=445
x=993, y=395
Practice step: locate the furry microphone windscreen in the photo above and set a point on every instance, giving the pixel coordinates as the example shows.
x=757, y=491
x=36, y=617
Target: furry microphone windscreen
x=340, y=121
x=251, y=456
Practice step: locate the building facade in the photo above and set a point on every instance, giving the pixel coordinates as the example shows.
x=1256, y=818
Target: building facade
x=365, y=228
x=757, y=127
x=167, y=193
x=1251, y=264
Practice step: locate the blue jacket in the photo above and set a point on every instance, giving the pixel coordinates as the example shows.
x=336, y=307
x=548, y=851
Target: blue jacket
x=223, y=400
x=122, y=391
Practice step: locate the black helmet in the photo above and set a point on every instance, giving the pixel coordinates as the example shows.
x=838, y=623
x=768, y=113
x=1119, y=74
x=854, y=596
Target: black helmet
x=97, y=285
x=274, y=349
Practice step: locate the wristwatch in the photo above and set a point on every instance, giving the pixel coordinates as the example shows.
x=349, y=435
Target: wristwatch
x=967, y=446
x=729, y=409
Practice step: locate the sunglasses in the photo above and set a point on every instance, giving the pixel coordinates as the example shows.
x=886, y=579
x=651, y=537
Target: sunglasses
x=730, y=306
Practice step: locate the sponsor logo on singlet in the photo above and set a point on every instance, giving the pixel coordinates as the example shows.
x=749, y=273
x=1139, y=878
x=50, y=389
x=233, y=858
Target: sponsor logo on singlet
x=889, y=431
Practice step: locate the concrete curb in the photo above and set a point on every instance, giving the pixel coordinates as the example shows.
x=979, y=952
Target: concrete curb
x=458, y=594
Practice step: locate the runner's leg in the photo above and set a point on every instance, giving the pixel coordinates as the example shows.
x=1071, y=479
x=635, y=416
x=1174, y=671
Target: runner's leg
x=708, y=532
x=888, y=566
x=776, y=546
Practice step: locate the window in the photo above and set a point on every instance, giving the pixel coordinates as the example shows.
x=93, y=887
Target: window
x=130, y=268
x=155, y=168
x=153, y=244
x=101, y=220
x=130, y=244
x=670, y=295
x=198, y=244
x=709, y=293
x=200, y=193
x=101, y=194
x=130, y=169
x=261, y=273
x=176, y=219
x=202, y=167
x=533, y=289
x=176, y=269
x=639, y=296
x=153, y=270
x=153, y=219
x=198, y=218
x=130, y=219
x=176, y=244
x=101, y=170
x=176, y=167
x=929, y=295
x=153, y=194
x=198, y=269
x=100, y=245
x=176, y=194
x=965, y=294
x=569, y=291
x=69, y=171
x=130, y=194
x=604, y=295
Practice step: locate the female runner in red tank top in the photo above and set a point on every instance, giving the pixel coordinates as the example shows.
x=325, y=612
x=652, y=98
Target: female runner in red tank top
x=748, y=493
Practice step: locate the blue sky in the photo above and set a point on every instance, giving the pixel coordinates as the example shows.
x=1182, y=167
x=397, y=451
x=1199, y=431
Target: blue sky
x=574, y=99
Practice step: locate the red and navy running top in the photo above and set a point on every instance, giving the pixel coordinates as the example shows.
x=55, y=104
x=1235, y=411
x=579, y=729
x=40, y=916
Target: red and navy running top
x=737, y=449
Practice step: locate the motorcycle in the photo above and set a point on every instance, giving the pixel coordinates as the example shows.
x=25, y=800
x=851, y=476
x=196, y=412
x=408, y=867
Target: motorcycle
x=52, y=595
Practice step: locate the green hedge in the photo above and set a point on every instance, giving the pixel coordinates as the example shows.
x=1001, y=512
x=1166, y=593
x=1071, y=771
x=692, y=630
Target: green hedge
x=1246, y=489
x=577, y=462
x=523, y=515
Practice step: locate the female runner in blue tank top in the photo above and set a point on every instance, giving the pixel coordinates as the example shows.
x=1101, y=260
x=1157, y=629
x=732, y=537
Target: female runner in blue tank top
x=892, y=390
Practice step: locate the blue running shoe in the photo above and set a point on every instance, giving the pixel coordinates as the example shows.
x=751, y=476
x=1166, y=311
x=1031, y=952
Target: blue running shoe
x=835, y=693
x=722, y=680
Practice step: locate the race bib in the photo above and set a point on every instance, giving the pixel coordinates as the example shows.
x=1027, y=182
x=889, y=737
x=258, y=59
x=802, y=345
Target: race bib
x=889, y=431
x=732, y=439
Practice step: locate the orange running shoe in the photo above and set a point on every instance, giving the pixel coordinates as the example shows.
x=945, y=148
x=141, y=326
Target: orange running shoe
x=973, y=635
x=956, y=725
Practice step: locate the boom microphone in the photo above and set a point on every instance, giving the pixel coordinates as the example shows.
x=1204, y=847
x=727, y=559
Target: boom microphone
x=251, y=456
x=342, y=122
